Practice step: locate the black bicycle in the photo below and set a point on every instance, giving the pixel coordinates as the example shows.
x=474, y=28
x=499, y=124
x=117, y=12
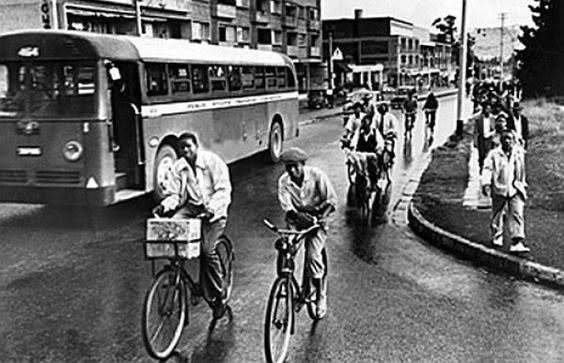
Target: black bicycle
x=165, y=310
x=286, y=296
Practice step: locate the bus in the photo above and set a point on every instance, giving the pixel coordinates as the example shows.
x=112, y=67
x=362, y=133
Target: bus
x=93, y=119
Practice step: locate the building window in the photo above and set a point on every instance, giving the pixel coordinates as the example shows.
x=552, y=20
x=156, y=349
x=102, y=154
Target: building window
x=292, y=39
x=243, y=35
x=200, y=31
x=276, y=7
x=313, y=14
x=243, y=3
x=277, y=37
x=403, y=43
x=263, y=6
x=313, y=40
x=291, y=10
x=264, y=36
x=403, y=59
x=301, y=12
x=302, y=40
x=226, y=33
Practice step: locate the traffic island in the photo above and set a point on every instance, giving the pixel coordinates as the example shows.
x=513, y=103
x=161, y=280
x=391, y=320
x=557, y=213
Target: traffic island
x=437, y=212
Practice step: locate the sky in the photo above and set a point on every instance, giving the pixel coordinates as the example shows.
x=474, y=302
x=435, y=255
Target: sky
x=479, y=13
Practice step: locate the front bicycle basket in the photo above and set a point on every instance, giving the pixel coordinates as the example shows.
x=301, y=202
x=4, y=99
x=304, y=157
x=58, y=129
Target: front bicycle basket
x=172, y=238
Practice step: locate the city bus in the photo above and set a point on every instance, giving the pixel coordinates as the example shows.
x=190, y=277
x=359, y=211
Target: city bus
x=93, y=119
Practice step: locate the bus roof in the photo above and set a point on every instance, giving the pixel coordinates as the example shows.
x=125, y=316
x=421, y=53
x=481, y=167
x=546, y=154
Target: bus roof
x=60, y=44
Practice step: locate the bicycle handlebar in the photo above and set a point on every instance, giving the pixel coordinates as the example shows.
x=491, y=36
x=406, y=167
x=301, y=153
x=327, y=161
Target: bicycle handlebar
x=292, y=232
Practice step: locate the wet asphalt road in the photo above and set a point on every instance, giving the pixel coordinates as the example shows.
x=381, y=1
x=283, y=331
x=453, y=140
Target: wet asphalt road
x=72, y=282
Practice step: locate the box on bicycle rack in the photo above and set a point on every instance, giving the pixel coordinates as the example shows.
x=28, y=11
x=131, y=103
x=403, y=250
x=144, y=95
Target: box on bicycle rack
x=169, y=238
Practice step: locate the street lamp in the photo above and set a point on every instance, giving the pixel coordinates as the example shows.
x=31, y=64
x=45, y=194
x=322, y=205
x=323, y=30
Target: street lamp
x=461, y=73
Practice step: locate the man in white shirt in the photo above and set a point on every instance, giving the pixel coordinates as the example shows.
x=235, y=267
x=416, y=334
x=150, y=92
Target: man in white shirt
x=199, y=185
x=306, y=194
x=504, y=179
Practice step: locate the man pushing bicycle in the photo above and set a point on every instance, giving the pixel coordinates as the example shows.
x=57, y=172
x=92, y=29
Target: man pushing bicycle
x=307, y=196
x=198, y=185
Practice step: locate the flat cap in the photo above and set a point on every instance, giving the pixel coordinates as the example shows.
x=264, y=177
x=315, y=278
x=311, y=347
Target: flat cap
x=293, y=155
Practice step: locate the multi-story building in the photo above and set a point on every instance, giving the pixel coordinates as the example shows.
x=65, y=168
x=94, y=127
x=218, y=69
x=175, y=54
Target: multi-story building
x=396, y=47
x=289, y=26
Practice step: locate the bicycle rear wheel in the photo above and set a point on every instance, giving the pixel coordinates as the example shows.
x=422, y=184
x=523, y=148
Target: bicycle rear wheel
x=279, y=320
x=312, y=304
x=224, y=249
x=164, y=314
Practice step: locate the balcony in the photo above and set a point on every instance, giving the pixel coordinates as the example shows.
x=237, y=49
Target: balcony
x=224, y=11
x=290, y=21
x=292, y=50
x=264, y=46
x=262, y=17
x=314, y=51
x=313, y=24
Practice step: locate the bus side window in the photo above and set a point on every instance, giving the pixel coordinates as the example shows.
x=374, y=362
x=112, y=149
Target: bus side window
x=234, y=78
x=281, y=77
x=290, y=78
x=270, y=77
x=247, y=78
x=218, y=78
x=259, y=77
x=156, y=79
x=200, y=79
x=179, y=78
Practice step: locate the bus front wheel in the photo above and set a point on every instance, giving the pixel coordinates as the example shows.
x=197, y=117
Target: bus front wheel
x=166, y=156
x=275, y=140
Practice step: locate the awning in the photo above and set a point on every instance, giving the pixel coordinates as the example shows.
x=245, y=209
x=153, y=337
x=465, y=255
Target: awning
x=367, y=68
x=342, y=66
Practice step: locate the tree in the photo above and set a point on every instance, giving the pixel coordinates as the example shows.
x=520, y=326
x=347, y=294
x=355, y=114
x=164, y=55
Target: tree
x=541, y=62
x=447, y=28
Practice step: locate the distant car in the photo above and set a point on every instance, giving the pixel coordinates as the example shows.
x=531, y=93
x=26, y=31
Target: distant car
x=317, y=99
x=400, y=96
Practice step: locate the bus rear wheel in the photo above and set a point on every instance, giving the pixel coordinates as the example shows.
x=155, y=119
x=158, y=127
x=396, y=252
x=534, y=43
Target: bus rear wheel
x=275, y=140
x=166, y=156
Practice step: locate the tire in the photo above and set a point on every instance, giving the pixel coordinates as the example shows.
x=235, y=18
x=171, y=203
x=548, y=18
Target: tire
x=160, y=345
x=312, y=305
x=275, y=142
x=351, y=172
x=278, y=327
x=224, y=248
x=351, y=197
x=166, y=156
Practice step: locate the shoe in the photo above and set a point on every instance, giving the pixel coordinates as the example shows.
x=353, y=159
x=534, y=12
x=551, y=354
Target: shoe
x=219, y=310
x=321, y=308
x=519, y=248
x=497, y=242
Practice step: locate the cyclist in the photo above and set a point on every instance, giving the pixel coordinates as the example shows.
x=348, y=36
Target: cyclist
x=198, y=185
x=367, y=105
x=430, y=107
x=386, y=123
x=353, y=123
x=306, y=195
x=410, y=111
x=366, y=147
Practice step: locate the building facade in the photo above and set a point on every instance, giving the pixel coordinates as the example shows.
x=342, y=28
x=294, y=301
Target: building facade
x=407, y=55
x=291, y=27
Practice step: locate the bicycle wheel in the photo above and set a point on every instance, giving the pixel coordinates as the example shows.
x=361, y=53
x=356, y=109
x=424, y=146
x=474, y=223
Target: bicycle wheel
x=312, y=304
x=164, y=314
x=279, y=320
x=225, y=251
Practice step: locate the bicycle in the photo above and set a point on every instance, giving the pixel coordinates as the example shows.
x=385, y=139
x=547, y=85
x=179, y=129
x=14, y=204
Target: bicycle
x=166, y=301
x=409, y=123
x=286, y=296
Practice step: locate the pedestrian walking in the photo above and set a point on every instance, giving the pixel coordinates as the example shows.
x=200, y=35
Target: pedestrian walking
x=484, y=130
x=520, y=124
x=504, y=180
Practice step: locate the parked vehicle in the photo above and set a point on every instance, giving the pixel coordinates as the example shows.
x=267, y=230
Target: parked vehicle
x=317, y=98
x=400, y=96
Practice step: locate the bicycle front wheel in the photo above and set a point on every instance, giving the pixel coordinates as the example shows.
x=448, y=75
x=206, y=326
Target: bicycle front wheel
x=279, y=320
x=224, y=249
x=164, y=314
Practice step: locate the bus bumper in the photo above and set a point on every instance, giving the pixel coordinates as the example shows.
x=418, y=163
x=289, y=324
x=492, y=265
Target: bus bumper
x=63, y=196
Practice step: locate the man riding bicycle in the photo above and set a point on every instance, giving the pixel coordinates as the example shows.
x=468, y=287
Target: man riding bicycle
x=366, y=147
x=306, y=195
x=410, y=111
x=198, y=185
x=386, y=123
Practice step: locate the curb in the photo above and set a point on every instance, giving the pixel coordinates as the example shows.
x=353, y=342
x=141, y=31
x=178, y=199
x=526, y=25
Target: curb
x=476, y=252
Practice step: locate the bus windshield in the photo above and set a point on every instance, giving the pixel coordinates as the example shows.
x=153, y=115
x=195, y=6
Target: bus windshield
x=47, y=90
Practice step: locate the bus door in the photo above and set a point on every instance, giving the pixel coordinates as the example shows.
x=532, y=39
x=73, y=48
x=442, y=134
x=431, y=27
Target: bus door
x=126, y=132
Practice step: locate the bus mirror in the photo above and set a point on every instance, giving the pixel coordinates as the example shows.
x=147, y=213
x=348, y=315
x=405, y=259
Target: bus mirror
x=115, y=75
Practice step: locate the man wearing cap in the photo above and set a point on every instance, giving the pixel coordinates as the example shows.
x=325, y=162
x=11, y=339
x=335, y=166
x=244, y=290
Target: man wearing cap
x=306, y=195
x=504, y=179
x=520, y=124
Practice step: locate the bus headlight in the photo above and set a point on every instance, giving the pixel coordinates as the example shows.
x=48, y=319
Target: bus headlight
x=72, y=151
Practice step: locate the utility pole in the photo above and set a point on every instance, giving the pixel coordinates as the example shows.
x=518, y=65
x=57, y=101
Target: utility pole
x=502, y=17
x=330, y=60
x=461, y=73
x=138, y=25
